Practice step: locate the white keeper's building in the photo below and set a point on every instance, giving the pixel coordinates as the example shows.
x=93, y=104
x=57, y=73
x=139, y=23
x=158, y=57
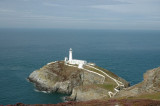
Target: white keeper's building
x=80, y=63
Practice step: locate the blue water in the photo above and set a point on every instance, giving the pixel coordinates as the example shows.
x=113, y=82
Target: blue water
x=126, y=53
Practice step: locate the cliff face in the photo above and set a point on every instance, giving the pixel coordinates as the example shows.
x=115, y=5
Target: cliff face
x=150, y=85
x=88, y=92
x=56, y=77
x=81, y=84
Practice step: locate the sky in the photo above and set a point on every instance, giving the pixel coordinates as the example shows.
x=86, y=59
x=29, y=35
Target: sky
x=80, y=14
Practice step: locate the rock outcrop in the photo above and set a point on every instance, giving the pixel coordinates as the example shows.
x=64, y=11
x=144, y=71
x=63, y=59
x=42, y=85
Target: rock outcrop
x=56, y=77
x=90, y=92
x=150, y=85
x=81, y=84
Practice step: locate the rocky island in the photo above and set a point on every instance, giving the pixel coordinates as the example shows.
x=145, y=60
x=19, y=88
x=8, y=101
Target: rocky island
x=83, y=81
x=81, y=84
x=146, y=93
x=91, y=84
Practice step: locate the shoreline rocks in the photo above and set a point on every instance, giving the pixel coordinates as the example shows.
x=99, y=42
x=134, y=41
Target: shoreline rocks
x=150, y=84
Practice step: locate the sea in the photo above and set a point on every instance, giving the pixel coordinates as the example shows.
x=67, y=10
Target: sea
x=127, y=53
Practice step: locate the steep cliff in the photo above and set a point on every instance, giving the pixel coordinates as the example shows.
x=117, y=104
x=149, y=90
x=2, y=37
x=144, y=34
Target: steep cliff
x=56, y=77
x=148, y=88
x=82, y=84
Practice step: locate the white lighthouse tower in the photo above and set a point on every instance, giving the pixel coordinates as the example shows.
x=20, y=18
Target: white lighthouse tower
x=72, y=61
x=70, y=54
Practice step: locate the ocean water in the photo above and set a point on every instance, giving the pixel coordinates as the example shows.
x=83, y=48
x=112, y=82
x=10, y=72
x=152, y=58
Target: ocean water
x=127, y=53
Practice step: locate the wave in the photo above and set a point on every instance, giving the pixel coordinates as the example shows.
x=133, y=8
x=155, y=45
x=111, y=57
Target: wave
x=64, y=99
x=36, y=90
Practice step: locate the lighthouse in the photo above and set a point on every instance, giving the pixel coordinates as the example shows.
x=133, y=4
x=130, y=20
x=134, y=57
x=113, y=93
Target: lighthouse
x=72, y=61
x=70, y=54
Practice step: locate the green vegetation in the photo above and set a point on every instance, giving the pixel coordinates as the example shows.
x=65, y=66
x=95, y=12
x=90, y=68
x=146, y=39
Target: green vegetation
x=152, y=96
x=155, y=96
x=107, y=72
x=94, y=70
x=109, y=84
x=106, y=78
x=109, y=87
x=60, y=69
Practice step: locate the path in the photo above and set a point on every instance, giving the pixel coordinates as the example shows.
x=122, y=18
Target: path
x=116, y=81
x=89, y=71
x=119, y=84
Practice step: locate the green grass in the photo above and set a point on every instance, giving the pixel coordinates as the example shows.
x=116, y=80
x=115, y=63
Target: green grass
x=109, y=87
x=94, y=70
x=106, y=78
x=107, y=72
x=109, y=84
x=152, y=96
x=155, y=96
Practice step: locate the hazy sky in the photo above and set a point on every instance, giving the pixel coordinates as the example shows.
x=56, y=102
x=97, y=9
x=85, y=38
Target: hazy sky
x=80, y=14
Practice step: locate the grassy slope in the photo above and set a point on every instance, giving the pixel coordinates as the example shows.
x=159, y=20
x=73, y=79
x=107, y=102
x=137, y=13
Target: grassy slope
x=153, y=96
x=65, y=72
x=109, y=84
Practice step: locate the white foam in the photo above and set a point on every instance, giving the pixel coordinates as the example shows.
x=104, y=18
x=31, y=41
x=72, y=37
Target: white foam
x=44, y=91
x=36, y=90
x=63, y=98
x=27, y=80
